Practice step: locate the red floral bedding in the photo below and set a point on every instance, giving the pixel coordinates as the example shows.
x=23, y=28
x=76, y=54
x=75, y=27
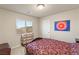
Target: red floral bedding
x=52, y=47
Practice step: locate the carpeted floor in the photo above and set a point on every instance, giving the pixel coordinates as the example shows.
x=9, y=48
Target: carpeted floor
x=18, y=51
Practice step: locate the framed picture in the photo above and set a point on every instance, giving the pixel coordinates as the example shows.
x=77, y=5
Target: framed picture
x=62, y=25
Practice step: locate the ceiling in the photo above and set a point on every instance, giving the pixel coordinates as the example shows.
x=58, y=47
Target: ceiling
x=32, y=10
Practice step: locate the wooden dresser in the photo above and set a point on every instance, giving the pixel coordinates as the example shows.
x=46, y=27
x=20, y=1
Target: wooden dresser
x=5, y=49
x=77, y=40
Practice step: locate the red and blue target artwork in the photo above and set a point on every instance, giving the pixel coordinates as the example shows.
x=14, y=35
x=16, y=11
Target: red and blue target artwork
x=62, y=25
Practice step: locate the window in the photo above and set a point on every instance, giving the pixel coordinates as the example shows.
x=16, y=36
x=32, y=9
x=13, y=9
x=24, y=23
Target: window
x=20, y=24
x=23, y=26
x=28, y=26
x=28, y=23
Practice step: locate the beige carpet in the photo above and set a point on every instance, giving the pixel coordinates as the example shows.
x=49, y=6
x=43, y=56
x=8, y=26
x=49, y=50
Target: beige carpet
x=18, y=51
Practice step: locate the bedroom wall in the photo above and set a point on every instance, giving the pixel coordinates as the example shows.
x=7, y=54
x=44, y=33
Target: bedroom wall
x=67, y=36
x=8, y=27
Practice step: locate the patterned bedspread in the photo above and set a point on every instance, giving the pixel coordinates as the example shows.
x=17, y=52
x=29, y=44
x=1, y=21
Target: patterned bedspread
x=52, y=47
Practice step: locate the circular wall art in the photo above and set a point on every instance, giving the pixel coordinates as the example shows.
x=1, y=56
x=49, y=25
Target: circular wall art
x=62, y=25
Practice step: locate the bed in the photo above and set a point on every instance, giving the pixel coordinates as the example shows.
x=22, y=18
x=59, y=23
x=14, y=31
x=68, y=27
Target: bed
x=45, y=46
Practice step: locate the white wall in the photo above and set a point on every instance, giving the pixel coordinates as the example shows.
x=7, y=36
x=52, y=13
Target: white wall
x=68, y=36
x=44, y=28
x=8, y=27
